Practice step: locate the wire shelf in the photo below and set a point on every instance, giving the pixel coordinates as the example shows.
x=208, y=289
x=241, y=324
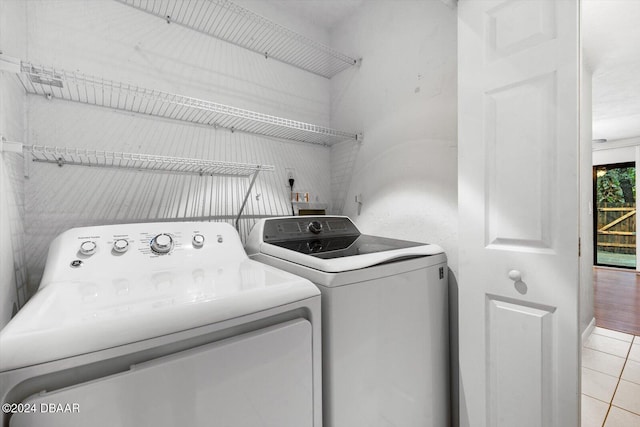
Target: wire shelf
x=147, y=162
x=72, y=86
x=227, y=21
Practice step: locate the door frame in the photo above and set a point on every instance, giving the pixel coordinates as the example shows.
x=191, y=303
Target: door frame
x=595, y=213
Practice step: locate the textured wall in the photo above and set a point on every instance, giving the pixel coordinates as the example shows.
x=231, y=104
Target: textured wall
x=403, y=97
x=114, y=41
x=13, y=274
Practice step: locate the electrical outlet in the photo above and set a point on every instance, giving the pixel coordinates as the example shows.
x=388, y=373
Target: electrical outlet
x=290, y=173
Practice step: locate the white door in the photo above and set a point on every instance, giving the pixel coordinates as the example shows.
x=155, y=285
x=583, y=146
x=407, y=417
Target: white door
x=518, y=201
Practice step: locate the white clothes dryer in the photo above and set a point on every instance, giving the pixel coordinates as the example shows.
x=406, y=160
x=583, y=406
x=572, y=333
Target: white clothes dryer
x=162, y=324
x=384, y=318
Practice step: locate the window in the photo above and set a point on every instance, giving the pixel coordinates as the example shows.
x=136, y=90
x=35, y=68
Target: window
x=614, y=190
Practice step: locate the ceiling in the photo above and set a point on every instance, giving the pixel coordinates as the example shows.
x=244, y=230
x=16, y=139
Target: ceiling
x=611, y=42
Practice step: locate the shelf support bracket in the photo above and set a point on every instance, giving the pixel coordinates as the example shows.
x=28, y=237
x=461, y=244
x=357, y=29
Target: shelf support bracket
x=9, y=63
x=246, y=197
x=10, y=146
x=17, y=147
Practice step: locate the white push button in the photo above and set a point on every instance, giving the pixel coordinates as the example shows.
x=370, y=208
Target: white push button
x=198, y=240
x=88, y=248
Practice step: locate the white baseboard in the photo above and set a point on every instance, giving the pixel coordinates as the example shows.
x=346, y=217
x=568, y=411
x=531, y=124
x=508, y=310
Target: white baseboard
x=587, y=331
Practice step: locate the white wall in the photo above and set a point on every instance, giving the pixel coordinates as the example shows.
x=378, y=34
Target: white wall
x=586, y=203
x=115, y=41
x=403, y=97
x=12, y=125
x=620, y=151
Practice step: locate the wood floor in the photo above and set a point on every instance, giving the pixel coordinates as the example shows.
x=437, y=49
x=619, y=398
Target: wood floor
x=617, y=299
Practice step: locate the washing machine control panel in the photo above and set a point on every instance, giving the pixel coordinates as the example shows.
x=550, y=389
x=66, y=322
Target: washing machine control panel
x=304, y=227
x=126, y=249
x=146, y=243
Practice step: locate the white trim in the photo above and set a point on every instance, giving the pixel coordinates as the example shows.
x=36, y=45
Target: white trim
x=637, y=160
x=588, y=330
x=618, y=143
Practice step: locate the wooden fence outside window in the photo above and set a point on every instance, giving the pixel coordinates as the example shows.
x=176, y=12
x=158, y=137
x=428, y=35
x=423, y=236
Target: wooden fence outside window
x=617, y=228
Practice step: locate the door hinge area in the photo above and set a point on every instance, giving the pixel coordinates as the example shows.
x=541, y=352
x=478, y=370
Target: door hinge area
x=441, y=273
x=579, y=246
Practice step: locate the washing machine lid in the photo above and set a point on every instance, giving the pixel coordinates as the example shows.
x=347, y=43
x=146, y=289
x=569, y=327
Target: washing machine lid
x=368, y=252
x=338, y=246
x=119, y=300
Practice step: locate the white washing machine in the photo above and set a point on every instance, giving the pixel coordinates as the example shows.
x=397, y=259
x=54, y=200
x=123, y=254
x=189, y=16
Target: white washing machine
x=162, y=324
x=384, y=318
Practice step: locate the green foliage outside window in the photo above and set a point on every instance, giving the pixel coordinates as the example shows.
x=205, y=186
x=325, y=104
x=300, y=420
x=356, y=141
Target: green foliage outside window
x=617, y=185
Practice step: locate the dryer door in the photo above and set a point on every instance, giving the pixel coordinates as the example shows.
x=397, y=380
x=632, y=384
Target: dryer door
x=262, y=378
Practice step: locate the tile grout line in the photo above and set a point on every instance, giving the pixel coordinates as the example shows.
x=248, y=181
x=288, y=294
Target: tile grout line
x=613, y=338
x=609, y=404
x=604, y=421
x=635, y=340
x=618, y=383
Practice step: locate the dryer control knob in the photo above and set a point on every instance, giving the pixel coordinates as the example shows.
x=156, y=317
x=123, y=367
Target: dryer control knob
x=161, y=244
x=121, y=246
x=197, y=241
x=88, y=248
x=315, y=227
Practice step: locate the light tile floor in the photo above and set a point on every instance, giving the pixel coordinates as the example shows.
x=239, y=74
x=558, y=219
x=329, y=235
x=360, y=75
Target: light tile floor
x=611, y=379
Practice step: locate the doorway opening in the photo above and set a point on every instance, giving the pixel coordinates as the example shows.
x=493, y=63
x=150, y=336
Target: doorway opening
x=614, y=199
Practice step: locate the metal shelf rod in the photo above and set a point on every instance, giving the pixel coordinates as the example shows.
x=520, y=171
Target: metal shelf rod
x=77, y=87
x=241, y=27
x=143, y=162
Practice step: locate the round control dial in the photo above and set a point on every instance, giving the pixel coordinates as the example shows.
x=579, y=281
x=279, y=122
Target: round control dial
x=120, y=246
x=315, y=227
x=162, y=244
x=314, y=246
x=88, y=248
x=197, y=241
